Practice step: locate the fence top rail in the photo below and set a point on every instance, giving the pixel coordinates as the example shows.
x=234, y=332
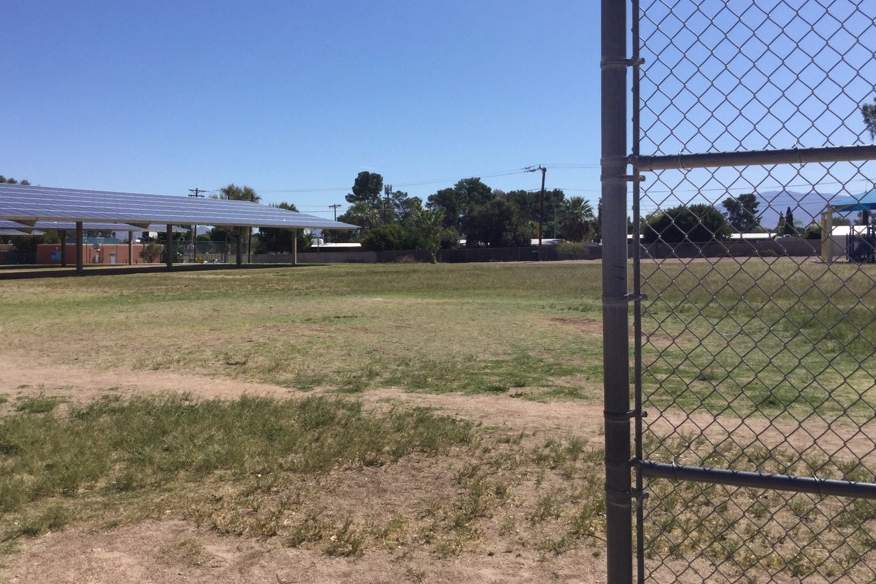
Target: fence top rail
x=759, y=157
x=757, y=480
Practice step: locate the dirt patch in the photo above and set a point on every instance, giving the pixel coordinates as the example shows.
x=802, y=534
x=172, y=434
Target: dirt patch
x=164, y=552
x=169, y=550
x=587, y=326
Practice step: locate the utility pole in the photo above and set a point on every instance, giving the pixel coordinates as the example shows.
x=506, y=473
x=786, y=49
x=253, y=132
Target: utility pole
x=335, y=209
x=541, y=203
x=197, y=194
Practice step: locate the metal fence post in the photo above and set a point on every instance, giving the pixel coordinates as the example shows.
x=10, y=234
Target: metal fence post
x=615, y=319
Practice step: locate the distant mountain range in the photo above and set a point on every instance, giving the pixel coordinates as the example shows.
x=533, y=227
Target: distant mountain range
x=806, y=207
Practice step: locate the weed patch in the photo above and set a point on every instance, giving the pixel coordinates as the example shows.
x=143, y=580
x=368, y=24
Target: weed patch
x=41, y=404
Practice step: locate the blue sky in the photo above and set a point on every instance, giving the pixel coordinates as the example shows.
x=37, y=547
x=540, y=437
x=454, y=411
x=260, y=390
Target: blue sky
x=296, y=98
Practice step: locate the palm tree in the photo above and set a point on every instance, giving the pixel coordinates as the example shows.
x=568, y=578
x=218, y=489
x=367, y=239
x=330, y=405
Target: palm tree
x=576, y=219
x=362, y=214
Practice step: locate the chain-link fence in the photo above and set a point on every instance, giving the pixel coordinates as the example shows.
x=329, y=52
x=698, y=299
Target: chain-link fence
x=202, y=252
x=752, y=292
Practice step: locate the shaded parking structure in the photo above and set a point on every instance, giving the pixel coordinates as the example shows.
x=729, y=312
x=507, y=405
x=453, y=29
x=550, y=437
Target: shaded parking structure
x=25, y=208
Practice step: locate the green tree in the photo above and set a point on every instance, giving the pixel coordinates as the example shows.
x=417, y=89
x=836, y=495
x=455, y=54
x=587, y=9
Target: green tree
x=530, y=205
x=448, y=201
x=497, y=223
x=233, y=192
x=374, y=204
x=401, y=206
x=787, y=226
x=151, y=251
x=367, y=189
x=597, y=224
x=12, y=181
x=215, y=234
x=741, y=212
x=576, y=219
x=450, y=238
x=278, y=240
x=428, y=222
x=869, y=112
x=458, y=201
x=697, y=223
x=361, y=214
x=841, y=220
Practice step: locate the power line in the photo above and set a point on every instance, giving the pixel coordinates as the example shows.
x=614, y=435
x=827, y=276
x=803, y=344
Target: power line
x=432, y=181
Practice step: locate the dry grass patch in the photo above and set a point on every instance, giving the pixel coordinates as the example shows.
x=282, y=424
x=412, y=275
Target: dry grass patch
x=317, y=473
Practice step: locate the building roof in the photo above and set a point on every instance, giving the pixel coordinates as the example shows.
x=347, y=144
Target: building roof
x=25, y=205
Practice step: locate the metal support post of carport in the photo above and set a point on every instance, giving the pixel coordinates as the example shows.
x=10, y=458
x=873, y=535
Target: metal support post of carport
x=63, y=234
x=294, y=246
x=168, y=247
x=239, y=251
x=79, y=243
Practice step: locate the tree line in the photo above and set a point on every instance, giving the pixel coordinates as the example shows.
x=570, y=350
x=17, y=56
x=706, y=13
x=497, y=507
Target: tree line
x=390, y=219
x=702, y=223
x=470, y=210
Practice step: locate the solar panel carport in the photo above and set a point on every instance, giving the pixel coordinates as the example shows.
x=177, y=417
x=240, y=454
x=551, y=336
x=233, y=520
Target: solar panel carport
x=24, y=207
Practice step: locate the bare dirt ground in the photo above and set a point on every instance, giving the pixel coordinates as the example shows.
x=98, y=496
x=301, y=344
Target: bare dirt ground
x=170, y=550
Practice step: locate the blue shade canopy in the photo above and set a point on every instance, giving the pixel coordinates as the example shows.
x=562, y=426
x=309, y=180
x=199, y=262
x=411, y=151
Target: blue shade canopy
x=28, y=204
x=864, y=202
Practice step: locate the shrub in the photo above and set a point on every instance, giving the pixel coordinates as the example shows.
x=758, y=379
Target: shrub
x=694, y=223
x=389, y=237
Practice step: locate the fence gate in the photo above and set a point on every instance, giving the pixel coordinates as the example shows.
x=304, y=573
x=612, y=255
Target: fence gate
x=751, y=297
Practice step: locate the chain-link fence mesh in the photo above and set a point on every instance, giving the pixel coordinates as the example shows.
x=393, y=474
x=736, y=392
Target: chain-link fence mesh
x=757, y=333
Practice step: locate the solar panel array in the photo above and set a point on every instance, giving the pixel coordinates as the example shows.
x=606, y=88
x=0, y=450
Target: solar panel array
x=27, y=204
x=43, y=226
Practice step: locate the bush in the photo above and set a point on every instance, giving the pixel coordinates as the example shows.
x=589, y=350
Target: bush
x=571, y=250
x=812, y=232
x=389, y=237
x=151, y=251
x=695, y=223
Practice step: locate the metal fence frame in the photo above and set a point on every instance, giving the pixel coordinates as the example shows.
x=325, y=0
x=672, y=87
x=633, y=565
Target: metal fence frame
x=626, y=466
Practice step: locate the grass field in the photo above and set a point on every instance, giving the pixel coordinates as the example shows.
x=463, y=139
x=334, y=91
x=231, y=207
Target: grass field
x=786, y=344
x=265, y=467
x=469, y=328
x=770, y=338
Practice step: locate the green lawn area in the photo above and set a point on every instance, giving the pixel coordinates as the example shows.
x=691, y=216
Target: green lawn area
x=278, y=468
x=784, y=343
x=434, y=328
